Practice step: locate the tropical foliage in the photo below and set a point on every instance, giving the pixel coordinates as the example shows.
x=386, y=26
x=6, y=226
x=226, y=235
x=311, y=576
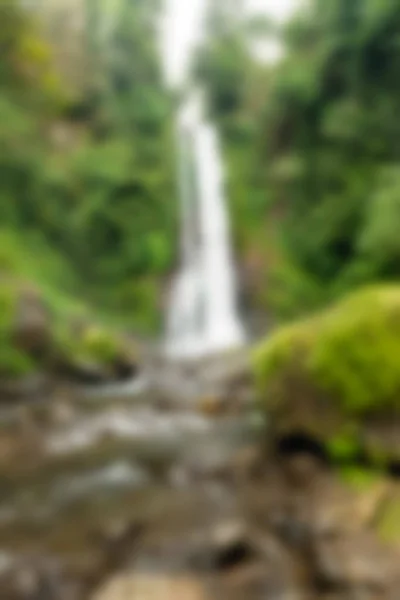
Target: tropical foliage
x=87, y=170
x=312, y=148
x=88, y=206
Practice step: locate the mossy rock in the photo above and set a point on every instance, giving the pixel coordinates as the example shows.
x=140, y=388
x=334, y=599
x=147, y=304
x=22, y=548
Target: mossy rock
x=337, y=374
x=360, y=479
x=91, y=353
x=24, y=330
x=388, y=523
x=34, y=340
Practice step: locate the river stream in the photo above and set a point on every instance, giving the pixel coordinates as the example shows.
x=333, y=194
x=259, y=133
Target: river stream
x=130, y=494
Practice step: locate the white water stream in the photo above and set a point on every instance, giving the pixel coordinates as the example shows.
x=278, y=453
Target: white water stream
x=203, y=316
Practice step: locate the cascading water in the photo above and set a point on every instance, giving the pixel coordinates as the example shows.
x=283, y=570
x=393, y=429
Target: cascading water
x=203, y=317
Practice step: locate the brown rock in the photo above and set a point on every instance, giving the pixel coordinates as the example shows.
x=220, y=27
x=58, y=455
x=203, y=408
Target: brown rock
x=32, y=327
x=338, y=509
x=260, y=582
x=248, y=462
x=387, y=519
x=272, y=574
x=354, y=561
x=301, y=469
x=147, y=587
x=211, y=406
x=230, y=545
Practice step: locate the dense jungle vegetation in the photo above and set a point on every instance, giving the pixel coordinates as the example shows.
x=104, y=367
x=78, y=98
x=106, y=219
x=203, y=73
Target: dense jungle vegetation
x=87, y=166
x=86, y=159
x=312, y=149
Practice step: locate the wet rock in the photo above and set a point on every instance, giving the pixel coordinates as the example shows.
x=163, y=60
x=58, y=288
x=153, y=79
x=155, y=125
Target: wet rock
x=179, y=476
x=61, y=413
x=32, y=322
x=89, y=354
x=381, y=438
x=271, y=574
x=85, y=372
x=354, y=562
x=147, y=587
x=33, y=579
x=248, y=463
x=208, y=460
x=29, y=388
x=338, y=509
x=239, y=391
x=305, y=504
x=302, y=469
x=119, y=541
x=22, y=583
x=230, y=545
x=229, y=380
x=387, y=522
x=260, y=583
x=211, y=406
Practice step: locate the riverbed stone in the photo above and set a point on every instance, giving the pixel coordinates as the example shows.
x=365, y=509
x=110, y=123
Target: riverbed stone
x=229, y=544
x=32, y=329
x=355, y=561
x=90, y=354
x=211, y=406
x=24, y=331
x=387, y=523
x=152, y=587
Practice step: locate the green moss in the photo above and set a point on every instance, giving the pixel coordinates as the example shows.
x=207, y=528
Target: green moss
x=389, y=524
x=358, y=478
x=357, y=353
x=287, y=346
x=91, y=344
x=100, y=344
x=8, y=301
x=350, y=354
x=14, y=363
x=343, y=447
x=378, y=455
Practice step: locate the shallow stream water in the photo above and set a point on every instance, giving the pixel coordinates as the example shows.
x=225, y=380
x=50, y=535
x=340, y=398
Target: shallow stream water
x=153, y=492
x=76, y=466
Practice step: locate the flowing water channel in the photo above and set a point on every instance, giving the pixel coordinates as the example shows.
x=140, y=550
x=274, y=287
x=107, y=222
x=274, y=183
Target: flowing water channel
x=83, y=464
x=140, y=496
x=203, y=316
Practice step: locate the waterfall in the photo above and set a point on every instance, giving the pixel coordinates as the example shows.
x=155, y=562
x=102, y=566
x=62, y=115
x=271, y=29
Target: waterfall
x=202, y=316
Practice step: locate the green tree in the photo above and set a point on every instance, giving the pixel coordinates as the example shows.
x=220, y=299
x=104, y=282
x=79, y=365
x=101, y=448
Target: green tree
x=86, y=164
x=315, y=205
